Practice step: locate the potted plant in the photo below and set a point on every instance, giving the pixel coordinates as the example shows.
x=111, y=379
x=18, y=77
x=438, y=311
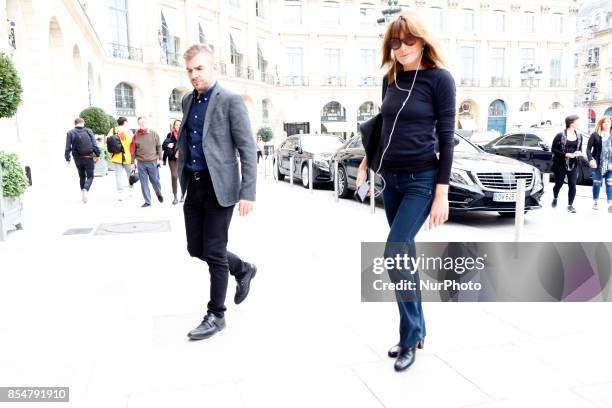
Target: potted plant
x=266, y=135
x=13, y=183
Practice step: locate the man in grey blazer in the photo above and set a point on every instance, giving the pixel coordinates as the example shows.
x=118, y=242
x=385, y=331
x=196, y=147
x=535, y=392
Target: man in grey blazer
x=214, y=135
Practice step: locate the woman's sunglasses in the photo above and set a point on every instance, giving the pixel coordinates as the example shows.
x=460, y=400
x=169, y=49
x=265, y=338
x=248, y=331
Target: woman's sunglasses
x=396, y=43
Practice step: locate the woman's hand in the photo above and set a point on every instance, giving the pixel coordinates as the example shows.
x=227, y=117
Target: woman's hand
x=593, y=164
x=570, y=155
x=439, y=208
x=362, y=172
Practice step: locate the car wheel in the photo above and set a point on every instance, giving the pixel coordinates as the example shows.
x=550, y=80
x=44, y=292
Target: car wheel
x=277, y=174
x=305, y=178
x=343, y=190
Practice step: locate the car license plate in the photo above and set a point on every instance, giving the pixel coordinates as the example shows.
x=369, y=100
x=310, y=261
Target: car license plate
x=504, y=197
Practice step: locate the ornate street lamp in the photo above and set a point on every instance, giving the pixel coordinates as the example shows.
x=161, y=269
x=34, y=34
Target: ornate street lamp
x=530, y=77
x=389, y=12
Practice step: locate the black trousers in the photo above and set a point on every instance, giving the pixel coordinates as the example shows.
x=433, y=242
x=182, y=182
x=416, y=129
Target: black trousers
x=85, y=167
x=207, y=224
x=572, y=177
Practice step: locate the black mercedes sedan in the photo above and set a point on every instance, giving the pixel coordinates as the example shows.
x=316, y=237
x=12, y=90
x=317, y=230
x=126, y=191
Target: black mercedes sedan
x=301, y=148
x=479, y=181
x=534, y=148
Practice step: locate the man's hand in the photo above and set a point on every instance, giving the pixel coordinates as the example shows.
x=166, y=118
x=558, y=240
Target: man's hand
x=97, y=159
x=245, y=207
x=67, y=163
x=133, y=167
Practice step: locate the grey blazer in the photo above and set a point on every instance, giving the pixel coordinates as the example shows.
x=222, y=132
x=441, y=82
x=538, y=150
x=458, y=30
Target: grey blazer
x=227, y=138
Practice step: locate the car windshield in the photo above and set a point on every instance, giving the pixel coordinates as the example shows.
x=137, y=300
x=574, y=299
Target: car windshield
x=321, y=144
x=464, y=146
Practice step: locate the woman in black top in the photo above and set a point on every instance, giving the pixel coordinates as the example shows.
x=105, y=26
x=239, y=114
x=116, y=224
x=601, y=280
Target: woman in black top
x=596, y=159
x=566, y=148
x=418, y=110
x=169, y=148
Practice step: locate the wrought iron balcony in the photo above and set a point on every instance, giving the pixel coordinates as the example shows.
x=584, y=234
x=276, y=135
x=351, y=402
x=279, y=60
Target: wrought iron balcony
x=558, y=83
x=469, y=82
x=500, y=82
x=370, y=81
x=125, y=52
x=331, y=80
x=294, y=80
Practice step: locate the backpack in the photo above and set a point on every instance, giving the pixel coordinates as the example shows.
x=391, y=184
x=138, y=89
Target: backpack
x=83, y=143
x=113, y=143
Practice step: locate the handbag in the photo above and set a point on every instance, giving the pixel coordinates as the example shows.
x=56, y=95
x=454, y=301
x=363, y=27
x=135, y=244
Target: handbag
x=134, y=178
x=371, y=133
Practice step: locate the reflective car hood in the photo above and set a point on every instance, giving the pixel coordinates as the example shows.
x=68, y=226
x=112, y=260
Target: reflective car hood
x=486, y=162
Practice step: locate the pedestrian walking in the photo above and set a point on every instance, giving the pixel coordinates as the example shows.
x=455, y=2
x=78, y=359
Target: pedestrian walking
x=566, y=149
x=81, y=144
x=260, y=148
x=146, y=152
x=170, y=147
x=418, y=98
x=118, y=142
x=208, y=168
x=599, y=153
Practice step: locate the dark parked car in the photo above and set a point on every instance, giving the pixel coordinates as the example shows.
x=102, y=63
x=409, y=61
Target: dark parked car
x=302, y=147
x=479, y=181
x=534, y=149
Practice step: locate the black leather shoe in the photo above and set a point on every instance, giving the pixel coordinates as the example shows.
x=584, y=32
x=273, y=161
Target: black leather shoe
x=405, y=359
x=244, y=284
x=209, y=326
x=554, y=203
x=145, y=205
x=160, y=198
x=397, y=349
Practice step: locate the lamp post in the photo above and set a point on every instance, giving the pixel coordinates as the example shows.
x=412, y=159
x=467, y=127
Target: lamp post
x=530, y=77
x=590, y=95
x=389, y=12
x=13, y=48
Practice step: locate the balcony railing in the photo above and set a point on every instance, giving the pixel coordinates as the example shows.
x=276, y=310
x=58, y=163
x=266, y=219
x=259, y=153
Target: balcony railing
x=126, y=111
x=125, y=52
x=593, y=64
x=370, y=81
x=558, y=83
x=331, y=80
x=238, y=71
x=333, y=118
x=267, y=78
x=250, y=73
x=500, y=82
x=469, y=82
x=294, y=80
x=171, y=58
x=530, y=83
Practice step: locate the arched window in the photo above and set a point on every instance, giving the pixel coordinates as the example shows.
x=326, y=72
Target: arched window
x=174, y=101
x=366, y=111
x=124, y=100
x=527, y=106
x=333, y=112
x=265, y=111
x=555, y=106
x=497, y=108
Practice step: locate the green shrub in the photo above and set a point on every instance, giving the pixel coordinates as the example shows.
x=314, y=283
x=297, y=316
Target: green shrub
x=14, y=181
x=265, y=133
x=97, y=120
x=10, y=87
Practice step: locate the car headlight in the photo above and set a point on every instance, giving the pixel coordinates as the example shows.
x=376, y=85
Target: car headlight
x=320, y=161
x=461, y=177
x=537, y=179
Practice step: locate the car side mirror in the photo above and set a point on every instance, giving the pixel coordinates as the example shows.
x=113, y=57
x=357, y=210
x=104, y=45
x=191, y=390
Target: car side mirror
x=544, y=146
x=298, y=149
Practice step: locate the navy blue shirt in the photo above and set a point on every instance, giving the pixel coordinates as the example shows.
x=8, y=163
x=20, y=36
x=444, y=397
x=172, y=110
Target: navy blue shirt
x=195, y=128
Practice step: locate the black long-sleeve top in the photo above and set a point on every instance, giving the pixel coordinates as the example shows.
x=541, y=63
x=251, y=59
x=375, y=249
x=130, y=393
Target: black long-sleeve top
x=559, y=149
x=594, y=147
x=430, y=111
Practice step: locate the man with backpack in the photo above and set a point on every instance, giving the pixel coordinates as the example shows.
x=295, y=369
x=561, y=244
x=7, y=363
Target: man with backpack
x=118, y=143
x=80, y=142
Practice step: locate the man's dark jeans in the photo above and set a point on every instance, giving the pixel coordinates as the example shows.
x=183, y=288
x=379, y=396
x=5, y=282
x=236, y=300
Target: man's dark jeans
x=85, y=167
x=207, y=224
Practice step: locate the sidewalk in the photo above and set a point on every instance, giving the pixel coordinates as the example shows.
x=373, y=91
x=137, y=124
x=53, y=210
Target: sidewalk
x=114, y=330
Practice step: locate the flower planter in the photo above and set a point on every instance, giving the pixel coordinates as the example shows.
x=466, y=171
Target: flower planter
x=11, y=214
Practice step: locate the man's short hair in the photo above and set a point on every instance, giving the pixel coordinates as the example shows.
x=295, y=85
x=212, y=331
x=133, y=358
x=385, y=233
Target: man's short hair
x=140, y=117
x=79, y=121
x=199, y=49
x=571, y=119
x=121, y=120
